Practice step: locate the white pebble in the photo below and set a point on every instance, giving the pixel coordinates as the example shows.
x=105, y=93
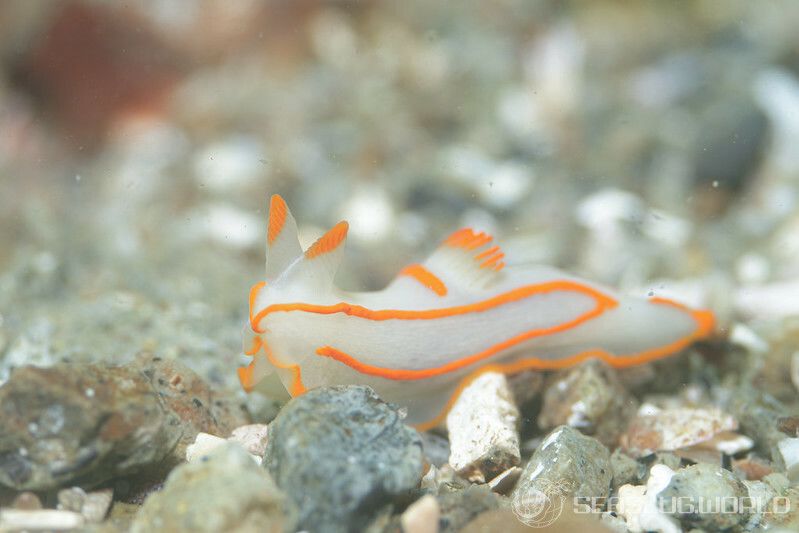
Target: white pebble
x=638, y=505
x=39, y=519
x=202, y=446
x=252, y=437
x=206, y=443
x=789, y=450
x=483, y=426
x=422, y=515
x=775, y=300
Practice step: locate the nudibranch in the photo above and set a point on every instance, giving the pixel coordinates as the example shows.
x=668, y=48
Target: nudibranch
x=440, y=323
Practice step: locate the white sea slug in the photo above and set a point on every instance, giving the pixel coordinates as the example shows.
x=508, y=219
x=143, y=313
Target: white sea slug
x=440, y=323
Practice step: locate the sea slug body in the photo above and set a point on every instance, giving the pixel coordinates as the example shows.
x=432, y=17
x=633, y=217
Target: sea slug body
x=440, y=323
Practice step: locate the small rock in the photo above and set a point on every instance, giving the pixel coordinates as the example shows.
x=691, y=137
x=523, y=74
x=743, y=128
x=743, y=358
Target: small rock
x=789, y=455
x=461, y=507
x=526, y=386
x=506, y=481
x=776, y=369
x=752, y=468
x=566, y=464
x=93, y=506
x=506, y=521
x=252, y=437
x=671, y=460
x=341, y=454
x=26, y=501
x=591, y=398
x=782, y=513
x=760, y=416
x=436, y=448
x=222, y=493
x=421, y=516
x=96, y=506
x=136, y=415
x=39, y=520
x=638, y=505
x=713, y=494
x=759, y=495
x=483, y=434
x=656, y=429
x=444, y=479
x=626, y=470
x=202, y=446
x=728, y=442
x=54, y=434
x=71, y=499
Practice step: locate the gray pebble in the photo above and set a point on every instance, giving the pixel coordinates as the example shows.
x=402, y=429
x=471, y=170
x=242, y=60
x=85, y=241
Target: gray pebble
x=591, y=398
x=82, y=424
x=566, y=464
x=341, y=454
x=708, y=495
x=226, y=492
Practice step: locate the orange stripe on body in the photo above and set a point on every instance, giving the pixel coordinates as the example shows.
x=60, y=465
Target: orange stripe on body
x=603, y=302
x=277, y=217
x=256, y=346
x=424, y=373
x=426, y=278
x=618, y=361
x=297, y=386
x=246, y=376
x=704, y=320
x=254, y=291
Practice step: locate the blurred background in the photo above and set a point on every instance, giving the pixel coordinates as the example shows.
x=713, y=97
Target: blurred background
x=647, y=145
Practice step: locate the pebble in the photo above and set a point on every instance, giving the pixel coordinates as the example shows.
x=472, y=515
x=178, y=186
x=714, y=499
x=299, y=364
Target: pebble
x=483, y=429
x=341, y=454
x=774, y=300
x=26, y=501
x=202, y=447
x=252, y=437
x=436, y=448
x=526, y=386
x=443, y=479
x=788, y=449
x=138, y=415
x=760, y=494
x=711, y=487
x=460, y=507
x=591, y=398
x=566, y=464
x=39, y=520
x=93, y=505
x=222, y=493
x=752, y=468
x=761, y=417
x=506, y=481
x=655, y=429
x=626, y=470
x=638, y=505
x=205, y=444
x=422, y=515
